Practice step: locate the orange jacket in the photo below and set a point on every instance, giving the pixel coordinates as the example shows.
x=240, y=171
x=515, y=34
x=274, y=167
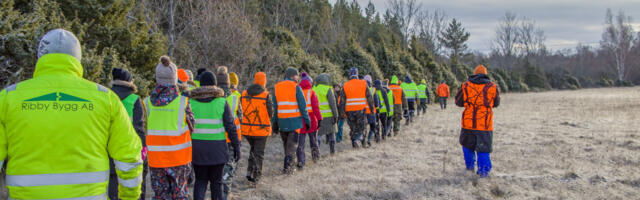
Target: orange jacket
x=356, y=92
x=255, y=120
x=397, y=94
x=443, y=90
x=478, y=101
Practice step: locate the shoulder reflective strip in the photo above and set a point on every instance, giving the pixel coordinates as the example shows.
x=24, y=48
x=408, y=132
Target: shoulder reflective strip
x=130, y=183
x=308, y=97
x=181, y=118
x=287, y=103
x=11, y=87
x=357, y=99
x=288, y=110
x=355, y=104
x=208, y=130
x=102, y=88
x=57, y=179
x=102, y=196
x=169, y=147
x=124, y=166
x=147, y=104
x=208, y=121
x=324, y=103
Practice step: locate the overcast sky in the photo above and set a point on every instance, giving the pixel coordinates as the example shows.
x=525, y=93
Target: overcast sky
x=565, y=22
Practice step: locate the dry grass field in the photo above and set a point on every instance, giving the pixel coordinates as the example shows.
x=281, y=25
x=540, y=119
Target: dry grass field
x=581, y=144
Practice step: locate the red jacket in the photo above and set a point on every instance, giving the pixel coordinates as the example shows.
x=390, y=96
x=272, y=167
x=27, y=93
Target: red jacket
x=315, y=114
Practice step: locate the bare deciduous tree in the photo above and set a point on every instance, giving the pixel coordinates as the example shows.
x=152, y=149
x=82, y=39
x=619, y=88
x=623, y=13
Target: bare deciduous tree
x=404, y=11
x=429, y=27
x=506, y=36
x=617, y=41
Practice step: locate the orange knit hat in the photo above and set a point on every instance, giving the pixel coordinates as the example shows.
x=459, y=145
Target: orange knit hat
x=183, y=76
x=480, y=69
x=260, y=78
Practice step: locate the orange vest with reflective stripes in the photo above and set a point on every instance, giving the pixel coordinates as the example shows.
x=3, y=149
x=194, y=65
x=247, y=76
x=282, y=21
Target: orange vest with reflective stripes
x=307, y=99
x=168, y=135
x=255, y=119
x=355, y=90
x=287, y=102
x=478, y=104
x=397, y=94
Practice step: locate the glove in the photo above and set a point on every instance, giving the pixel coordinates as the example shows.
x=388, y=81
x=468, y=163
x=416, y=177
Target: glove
x=144, y=153
x=236, y=153
x=319, y=123
x=335, y=120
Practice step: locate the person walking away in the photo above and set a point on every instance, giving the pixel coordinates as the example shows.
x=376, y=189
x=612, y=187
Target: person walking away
x=399, y=103
x=372, y=114
x=123, y=86
x=256, y=123
x=199, y=73
x=425, y=97
x=443, y=94
x=357, y=96
x=411, y=91
x=213, y=118
x=328, y=109
x=169, y=126
x=385, y=107
x=337, y=88
x=59, y=130
x=233, y=99
x=190, y=82
x=313, y=109
x=289, y=112
x=478, y=96
x=183, y=79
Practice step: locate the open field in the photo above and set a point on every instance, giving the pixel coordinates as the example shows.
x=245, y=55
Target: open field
x=581, y=144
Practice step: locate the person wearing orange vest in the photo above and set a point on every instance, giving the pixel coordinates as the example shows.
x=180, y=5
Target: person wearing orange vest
x=122, y=85
x=214, y=118
x=290, y=110
x=256, y=123
x=443, y=94
x=356, y=97
x=399, y=103
x=169, y=150
x=479, y=95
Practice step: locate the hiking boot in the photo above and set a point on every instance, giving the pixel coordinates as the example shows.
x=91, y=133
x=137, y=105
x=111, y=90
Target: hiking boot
x=354, y=144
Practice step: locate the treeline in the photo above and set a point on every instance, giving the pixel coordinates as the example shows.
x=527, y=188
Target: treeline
x=263, y=35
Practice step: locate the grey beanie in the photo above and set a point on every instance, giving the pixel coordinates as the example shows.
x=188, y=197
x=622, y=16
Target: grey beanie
x=166, y=72
x=60, y=41
x=222, y=76
x=290, y=72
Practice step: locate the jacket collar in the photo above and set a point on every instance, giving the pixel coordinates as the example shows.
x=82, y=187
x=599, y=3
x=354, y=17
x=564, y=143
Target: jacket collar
x=58, y=64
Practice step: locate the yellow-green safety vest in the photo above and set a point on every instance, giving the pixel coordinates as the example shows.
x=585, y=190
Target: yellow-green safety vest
x=383, y=108
x=59, y=130
x=322, y=91
x=410, y=90
x=208, y=116
x=234, y=102
x=422, y=91
x=129, y=103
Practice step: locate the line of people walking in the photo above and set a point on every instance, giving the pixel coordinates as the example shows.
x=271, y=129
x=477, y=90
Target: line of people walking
x=92, y=142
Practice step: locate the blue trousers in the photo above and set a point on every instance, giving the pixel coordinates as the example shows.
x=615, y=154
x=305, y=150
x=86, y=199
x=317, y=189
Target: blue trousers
x=484, y=161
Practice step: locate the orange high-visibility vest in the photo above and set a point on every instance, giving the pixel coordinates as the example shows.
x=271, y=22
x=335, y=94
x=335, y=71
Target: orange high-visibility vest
x=287, y=101
x=255, y=119
x=307, y=98
x=355, y=90
x=397, y=94
x=478, y=105
x=168, y=135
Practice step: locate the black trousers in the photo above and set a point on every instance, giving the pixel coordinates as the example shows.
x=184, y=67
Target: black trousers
x=443, y=102
x=256, y=155
x=206, y=174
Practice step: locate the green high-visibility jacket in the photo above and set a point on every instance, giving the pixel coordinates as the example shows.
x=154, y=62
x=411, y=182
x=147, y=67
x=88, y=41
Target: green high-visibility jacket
x=322, y=90
x=422, y=88
x=58, y=130
x=410, y=90
x=209, y=120
x=383, y=108
x=129, y=103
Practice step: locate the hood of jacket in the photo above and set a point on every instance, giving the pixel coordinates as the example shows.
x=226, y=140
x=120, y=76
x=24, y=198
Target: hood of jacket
x=324, y=79
x=163, y=94
x=305, y=84
x=479, y=79
x=407, y=79
x=255, y=89
x=122, y=88
x=394, y=79
x=206, y=93
x=58, y=64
